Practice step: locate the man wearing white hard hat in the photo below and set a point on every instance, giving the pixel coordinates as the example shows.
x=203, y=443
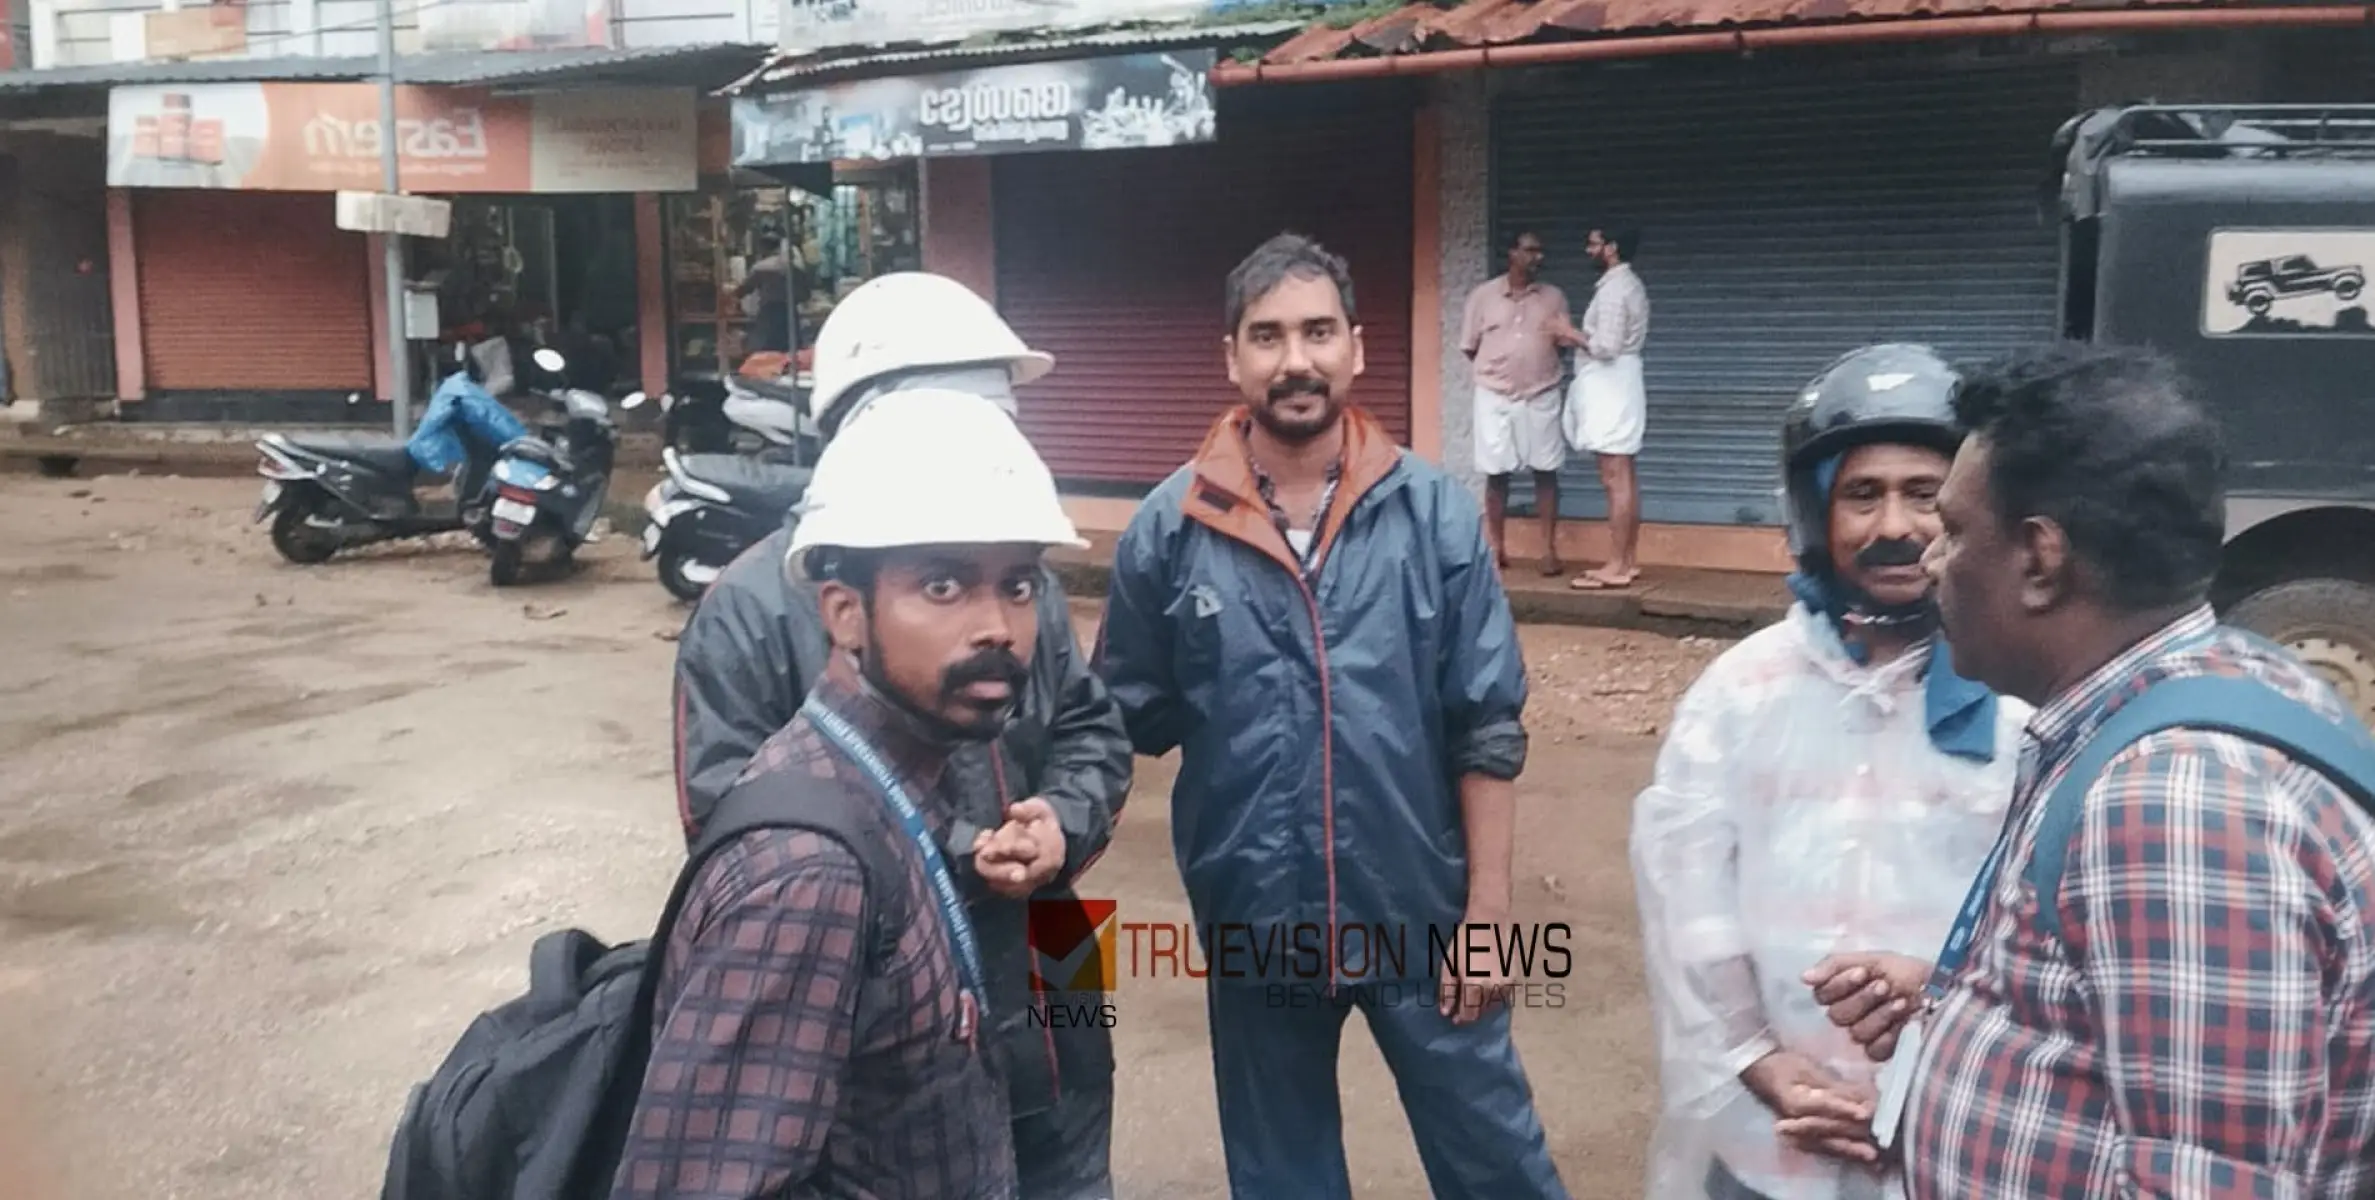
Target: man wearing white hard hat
x=822, y=1001
x=758, y=640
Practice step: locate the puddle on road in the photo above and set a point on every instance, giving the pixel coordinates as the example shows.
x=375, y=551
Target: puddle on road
x=110, y=899
x=53, y=572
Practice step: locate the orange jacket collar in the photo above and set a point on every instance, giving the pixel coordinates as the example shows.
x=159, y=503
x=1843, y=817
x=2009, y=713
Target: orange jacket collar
x=1225, y=496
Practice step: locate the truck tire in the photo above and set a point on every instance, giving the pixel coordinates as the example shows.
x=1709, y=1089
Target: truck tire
x=2328, y=623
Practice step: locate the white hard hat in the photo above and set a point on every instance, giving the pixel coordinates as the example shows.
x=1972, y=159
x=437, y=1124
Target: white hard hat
x=930, y=467
x=908, y=320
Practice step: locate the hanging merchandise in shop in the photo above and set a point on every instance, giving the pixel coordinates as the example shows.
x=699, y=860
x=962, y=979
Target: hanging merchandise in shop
x=1124, y=101
x=322, y=137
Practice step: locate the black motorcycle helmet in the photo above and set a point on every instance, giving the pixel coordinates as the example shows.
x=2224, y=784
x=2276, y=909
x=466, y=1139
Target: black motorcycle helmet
x=1893, y=392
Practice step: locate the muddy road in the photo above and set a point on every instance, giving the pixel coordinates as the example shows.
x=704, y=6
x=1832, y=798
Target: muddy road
x=270, y=836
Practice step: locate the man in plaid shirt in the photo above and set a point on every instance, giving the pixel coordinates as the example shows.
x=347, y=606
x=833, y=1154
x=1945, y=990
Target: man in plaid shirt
x=819, y=1022
x=2205, y=1024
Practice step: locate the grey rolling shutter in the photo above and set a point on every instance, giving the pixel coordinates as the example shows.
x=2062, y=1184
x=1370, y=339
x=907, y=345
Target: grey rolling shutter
x=1790, y=211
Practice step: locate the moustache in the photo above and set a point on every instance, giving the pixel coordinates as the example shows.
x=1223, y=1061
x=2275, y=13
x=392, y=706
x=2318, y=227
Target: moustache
x=1300, y=385
x=1891, y=552
x=996, y=664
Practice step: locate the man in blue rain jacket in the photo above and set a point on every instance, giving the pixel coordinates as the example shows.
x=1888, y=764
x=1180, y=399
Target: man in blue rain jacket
x=1313, y=618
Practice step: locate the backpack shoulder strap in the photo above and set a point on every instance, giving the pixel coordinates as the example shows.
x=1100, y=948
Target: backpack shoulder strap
x=766, y=802
x=2245, y=708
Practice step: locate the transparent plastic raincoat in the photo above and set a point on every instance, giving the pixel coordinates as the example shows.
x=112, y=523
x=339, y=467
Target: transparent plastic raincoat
x=1800, y=808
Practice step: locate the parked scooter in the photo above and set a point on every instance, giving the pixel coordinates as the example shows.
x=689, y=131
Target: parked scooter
x=746, y=413
x=546, y=489
x=709, y=508
x=326, y=492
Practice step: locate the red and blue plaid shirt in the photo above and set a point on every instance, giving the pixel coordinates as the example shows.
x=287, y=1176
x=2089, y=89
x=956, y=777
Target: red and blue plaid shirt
x=2207, y=1029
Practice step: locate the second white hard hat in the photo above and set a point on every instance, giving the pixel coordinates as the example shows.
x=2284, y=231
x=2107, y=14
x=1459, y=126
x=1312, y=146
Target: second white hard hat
x=930, y=467
x=904, y=321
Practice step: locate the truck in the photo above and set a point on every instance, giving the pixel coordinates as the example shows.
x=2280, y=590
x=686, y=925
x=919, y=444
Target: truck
x=2236, y=241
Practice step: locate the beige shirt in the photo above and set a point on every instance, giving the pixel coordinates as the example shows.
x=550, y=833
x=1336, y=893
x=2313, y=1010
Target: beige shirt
x=1617, y=323
x=1508, y=334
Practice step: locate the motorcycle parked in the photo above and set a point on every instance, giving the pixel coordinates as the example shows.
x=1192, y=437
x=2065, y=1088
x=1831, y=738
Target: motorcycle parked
x=326, y=492
x=708, y=509
x=546, y=489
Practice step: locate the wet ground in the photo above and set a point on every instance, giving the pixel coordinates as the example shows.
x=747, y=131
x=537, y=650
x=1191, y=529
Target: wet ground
x=270, y=836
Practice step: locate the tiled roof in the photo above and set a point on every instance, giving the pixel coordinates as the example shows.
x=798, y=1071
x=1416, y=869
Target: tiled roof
x=1421, y=28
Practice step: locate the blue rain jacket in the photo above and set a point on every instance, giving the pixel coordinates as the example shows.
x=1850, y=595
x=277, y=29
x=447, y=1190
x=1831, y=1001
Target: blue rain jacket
x=461, y=409
x=1323, y=724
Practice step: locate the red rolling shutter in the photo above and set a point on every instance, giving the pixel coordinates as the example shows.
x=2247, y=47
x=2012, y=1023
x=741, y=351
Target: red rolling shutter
x=1116, y=262
x=251, y=291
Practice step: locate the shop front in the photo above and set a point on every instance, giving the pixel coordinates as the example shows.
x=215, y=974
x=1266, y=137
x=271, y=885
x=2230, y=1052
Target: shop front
x=754, y=264
x=1791, y=208
x=252, y=301
x=1104, y=201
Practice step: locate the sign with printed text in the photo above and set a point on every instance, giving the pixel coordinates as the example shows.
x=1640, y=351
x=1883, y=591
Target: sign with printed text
x=513, y=24
x=325, y=137
x=1159, y=99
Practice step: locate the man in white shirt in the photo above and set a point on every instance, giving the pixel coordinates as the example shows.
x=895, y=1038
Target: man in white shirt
x=1830, y=785
x=1607, y=405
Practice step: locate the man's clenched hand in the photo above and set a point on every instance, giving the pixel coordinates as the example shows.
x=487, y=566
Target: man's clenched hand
x=1021, y=856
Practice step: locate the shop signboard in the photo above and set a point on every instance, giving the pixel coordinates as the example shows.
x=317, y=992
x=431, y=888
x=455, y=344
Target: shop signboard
x=514, y=24
x=1155, y=99
x=808, y=25
x=325, y=137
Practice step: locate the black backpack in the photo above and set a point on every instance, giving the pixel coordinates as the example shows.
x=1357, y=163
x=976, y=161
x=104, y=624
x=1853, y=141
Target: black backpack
x=534, y=1101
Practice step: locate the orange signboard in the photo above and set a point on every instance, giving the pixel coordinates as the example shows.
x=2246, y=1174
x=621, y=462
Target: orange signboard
x=325, y=137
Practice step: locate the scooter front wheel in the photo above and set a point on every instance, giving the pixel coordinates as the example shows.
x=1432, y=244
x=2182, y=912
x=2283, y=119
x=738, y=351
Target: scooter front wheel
x=677, y=571
x=505, y=564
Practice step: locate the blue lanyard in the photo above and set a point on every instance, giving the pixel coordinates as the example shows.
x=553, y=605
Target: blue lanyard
x=1957, y=950
x=1966, y=923
x=952, y=910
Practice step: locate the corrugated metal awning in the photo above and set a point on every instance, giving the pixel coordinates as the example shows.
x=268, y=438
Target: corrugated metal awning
x=788, y=71
x=1477, y=24
x=703, y=66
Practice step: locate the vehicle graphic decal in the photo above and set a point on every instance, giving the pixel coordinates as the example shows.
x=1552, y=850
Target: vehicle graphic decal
x=2288, y=283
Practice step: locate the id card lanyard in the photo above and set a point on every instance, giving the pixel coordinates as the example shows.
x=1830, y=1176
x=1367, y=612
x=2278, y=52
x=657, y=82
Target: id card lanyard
x=944, y=886
x=1896, y=1079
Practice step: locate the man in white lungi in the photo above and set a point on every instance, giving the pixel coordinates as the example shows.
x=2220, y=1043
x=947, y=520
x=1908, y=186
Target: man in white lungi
x=1607, y=405
x=1512, y=331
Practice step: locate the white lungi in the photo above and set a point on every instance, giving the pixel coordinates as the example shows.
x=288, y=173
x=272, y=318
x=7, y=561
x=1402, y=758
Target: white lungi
x=1607, y=406
x=1518, y=435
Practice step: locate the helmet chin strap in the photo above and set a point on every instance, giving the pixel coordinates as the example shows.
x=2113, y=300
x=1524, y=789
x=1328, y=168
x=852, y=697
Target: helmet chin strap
x=1859, y=608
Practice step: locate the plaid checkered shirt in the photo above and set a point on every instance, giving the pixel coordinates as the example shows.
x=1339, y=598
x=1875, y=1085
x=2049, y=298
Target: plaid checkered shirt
x=790, y=1057
x=2208, y=1028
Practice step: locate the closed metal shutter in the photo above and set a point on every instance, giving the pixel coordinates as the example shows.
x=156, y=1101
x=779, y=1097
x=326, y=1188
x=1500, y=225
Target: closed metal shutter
x=251, y=291
x=1117, y=263
x=1789, y=212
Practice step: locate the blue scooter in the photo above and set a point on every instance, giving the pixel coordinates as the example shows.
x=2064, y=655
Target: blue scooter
x=546, y=489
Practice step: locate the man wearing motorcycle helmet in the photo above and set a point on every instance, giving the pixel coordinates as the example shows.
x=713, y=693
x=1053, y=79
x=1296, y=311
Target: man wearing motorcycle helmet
x=756, y=643
x=1826, y=792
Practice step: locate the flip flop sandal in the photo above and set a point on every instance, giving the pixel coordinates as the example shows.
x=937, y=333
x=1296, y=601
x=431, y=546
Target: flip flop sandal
x=1595, y=583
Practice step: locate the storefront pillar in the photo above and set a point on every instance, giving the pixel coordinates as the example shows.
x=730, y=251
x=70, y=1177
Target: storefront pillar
x=123, y=285
x=1426, y=287
x=651, y=293
x=958, y=223
x=383, y=375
